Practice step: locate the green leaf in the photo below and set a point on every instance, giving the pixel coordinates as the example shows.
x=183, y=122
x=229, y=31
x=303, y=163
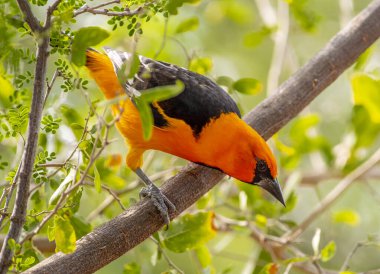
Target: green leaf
x=173, y=5
x=203, y=255
x=74, y=200
x=365, y=130
x=363, y=58
x=62, y=187
x=189, y=232
x=132, y=268
x=328, y=251
x=162, y=93
x=366, y=93
x=84, y=38
x=189, y=24
x=151, y=95
x=201, y=65
x=97, y=182
x=248, y=86
x=81, y=227
x=253, y=39
x=64, y=235
x=76, y=126
x=291, y=202
x=304, y=15
x=128, y=69
x=295, y=260
x=51, y=233
x=146, y=117
x=225, y=81
x=349, y=217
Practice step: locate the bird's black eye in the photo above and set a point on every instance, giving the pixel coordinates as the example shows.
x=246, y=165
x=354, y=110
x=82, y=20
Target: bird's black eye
x=261, y=166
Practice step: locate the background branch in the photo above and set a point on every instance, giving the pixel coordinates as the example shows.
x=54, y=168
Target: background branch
x=130, y=228
x=29, y=155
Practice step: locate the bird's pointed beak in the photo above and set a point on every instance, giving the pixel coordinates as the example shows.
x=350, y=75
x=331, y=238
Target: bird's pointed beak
x=274, y=188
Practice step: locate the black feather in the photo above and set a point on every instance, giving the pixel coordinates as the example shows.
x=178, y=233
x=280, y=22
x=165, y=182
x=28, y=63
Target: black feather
x=201, y=101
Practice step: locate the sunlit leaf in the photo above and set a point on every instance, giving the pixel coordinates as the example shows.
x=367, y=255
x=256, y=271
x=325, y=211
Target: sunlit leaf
x=254, y=39
x=365, y=130
x=203, y=255
x=84, y=38
x=291, y=202
x=189, y=24
x=295, y=260
x=305, y=16
x=128, y=69
x=189, y=232
x=80, y=226
x=363, y=58
x=151, y=95
x=225, y=81
x=366, y=93
x=173, y=5
x=146, y=117
x=132, y=268
x=328, y=251
x=349, y=217
x=261, y=221
x=64, y=235
x=248, y=86
x=201, y=65
x=62, y=187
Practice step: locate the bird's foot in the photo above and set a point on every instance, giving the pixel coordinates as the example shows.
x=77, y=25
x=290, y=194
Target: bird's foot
x=160, y=201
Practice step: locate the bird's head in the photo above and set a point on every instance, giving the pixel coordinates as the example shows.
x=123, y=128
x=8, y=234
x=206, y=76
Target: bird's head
x=265, y=167
x=265, y=177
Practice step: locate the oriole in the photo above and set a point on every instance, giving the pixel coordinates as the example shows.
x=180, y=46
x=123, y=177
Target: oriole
x=202, y=124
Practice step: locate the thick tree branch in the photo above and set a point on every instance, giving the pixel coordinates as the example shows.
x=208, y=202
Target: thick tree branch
x=29, y=16
x=130, y=228
x=19, y=211
x=29, y=155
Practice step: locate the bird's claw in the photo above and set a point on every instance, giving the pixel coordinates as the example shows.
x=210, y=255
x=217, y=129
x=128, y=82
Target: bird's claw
x=160, y=201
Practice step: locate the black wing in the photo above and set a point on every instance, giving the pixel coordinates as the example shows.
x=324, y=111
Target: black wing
x=201, y=100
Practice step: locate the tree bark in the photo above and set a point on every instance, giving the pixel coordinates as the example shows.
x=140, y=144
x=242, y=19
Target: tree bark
x=130, y=228
x=22, y=195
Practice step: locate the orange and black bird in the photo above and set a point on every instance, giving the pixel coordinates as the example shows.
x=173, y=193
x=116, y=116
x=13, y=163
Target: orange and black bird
x=202, y=124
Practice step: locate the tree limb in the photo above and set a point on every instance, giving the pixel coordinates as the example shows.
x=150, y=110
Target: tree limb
x=29, y=155
x=28, y=15
x=333, y=195
x=130, y=228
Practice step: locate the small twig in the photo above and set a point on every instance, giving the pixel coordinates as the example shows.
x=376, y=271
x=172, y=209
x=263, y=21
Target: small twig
x=49, y=14
x=168, y=260
x=188, y=56
x=111, y=192
x=162, y=46
x=29, y=17
x=131, y=186
x=9, y=194
x=96, y=10
x=50, y=85
x=345, y=265
x=280, y=38
x=333, y=195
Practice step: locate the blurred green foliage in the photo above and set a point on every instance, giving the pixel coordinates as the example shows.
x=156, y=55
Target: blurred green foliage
x=231, y=43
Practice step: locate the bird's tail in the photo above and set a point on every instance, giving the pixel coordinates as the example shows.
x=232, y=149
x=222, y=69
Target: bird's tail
x=102, y=70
